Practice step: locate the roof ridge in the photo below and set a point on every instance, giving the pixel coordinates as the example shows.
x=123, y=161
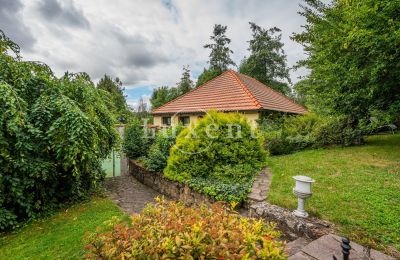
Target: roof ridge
x=276, y=91
x=245, y=88
x=181, y=96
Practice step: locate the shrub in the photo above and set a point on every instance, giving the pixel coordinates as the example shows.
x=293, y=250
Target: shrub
x=156, y=159
x=54, y=134
x=219, y=144
x=136, y=144
x=171, y=231
x=295, y=133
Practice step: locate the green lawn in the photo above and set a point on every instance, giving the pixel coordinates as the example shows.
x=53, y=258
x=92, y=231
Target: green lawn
x=357, y=188
x=59, y=236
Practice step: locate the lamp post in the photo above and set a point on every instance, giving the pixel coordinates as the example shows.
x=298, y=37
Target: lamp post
x=302, y=191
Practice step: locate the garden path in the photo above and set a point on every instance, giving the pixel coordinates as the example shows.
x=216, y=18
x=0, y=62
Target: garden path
x=128, y=193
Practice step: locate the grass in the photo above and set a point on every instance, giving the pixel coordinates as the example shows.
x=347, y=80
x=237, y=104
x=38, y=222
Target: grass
x=59, y=236
x=357, y=188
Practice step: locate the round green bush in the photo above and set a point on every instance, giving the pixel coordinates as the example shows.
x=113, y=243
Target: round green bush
x=218, y=153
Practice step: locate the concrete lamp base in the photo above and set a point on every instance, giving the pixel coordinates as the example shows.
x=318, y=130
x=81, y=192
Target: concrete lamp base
x=301, y=198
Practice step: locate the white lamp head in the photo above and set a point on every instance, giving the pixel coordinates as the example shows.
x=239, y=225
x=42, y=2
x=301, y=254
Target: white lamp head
x=302, y=190
x=303, y=184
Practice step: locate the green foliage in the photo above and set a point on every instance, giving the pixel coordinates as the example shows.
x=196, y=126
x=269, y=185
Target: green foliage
x=220, y=58
x=54, y=135
x=156, y=158
x=293, y=133
x=186, y=83
x=165, y=94
x=207, y=75
x=226, y=183
x=267, y=60
x=353, y=56
x=169, y=230
x=217, y=145
x=137, y=139
x=162, y=95
x=114, y=93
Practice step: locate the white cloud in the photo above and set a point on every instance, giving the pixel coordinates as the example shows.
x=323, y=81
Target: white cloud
x=144, y=42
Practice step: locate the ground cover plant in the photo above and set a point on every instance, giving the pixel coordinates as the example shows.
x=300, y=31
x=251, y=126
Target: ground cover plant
x=356, y=188
x=218, y=156
x=170, y=230
x=54, y=134
x=59, y=236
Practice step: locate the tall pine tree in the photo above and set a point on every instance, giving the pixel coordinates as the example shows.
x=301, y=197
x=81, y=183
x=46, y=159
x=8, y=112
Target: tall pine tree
x=267, y=60
x=220, y=55
x=186, y=83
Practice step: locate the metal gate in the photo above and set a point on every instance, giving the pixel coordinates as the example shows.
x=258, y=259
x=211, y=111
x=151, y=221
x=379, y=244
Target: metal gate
x=112, y=165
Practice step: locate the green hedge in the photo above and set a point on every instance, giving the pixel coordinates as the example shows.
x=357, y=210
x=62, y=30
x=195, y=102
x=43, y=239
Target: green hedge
x=219, y=156
x=288, y=134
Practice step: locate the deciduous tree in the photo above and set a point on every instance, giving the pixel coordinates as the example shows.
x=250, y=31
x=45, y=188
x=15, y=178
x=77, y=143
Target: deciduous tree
x=353, y=56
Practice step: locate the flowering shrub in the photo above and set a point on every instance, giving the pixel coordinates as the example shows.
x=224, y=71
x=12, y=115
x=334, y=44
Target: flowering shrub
x=170, y=230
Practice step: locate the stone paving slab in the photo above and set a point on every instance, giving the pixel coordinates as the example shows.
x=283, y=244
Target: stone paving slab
x=329, y=245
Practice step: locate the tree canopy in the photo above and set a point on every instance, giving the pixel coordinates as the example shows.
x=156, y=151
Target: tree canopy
x=267, y=60
x=116, y=96
x=165, y=94
x=353, y=56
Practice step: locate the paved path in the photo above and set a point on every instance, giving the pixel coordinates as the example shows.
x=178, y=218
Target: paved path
x=328, y=246
x=128, y=193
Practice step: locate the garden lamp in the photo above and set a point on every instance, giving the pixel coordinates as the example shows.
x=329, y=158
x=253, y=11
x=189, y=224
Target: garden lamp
x=302, y=191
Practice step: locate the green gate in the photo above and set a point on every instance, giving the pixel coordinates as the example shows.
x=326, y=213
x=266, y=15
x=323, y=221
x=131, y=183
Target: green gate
x=112, y=165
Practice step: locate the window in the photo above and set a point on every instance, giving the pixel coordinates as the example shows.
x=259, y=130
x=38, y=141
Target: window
x=166, y=120
x=184, y=120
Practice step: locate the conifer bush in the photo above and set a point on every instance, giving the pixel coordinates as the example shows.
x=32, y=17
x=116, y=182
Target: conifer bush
x=219, y=156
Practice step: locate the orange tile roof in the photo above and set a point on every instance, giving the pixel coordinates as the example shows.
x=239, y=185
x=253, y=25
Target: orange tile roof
x=231, y=91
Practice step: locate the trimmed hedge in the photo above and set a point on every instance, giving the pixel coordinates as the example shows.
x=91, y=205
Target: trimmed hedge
x=219, y=156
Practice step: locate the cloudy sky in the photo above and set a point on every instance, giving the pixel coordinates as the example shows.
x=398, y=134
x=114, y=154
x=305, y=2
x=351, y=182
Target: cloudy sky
x=143, y=42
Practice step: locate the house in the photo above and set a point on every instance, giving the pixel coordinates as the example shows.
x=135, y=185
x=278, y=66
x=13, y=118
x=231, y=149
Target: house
x=229, y=92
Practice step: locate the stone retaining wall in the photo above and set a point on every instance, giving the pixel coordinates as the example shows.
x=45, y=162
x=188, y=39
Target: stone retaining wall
x=256, y=205
x=291, y=225
x=171, y=189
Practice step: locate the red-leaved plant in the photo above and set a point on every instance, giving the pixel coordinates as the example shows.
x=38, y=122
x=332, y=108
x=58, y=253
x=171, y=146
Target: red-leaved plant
x=169, y=230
